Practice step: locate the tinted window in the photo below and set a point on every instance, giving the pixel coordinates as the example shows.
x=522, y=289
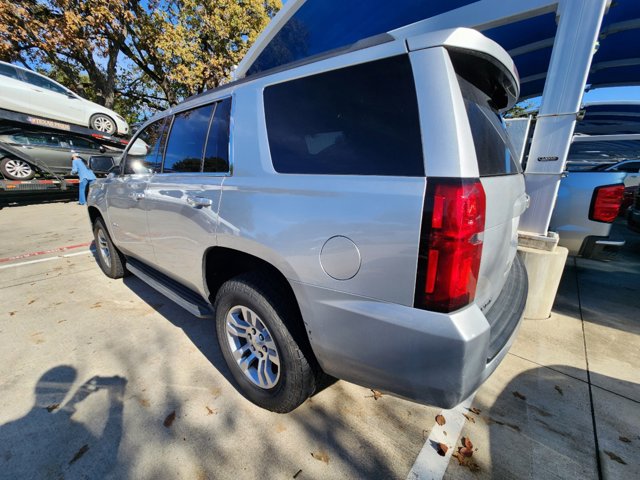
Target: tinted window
x=493, y=147
x=216, y=157
x=148, y=140
x=82, y=143
x=8, y=71
x=185, y=147
x=631, y=167
x=46, y=140
x=42, y=82
x=360, y=120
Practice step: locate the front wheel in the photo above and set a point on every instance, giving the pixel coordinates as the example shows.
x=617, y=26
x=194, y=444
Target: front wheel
x=110, y=259
x=271, y=367
x=103, y=123
x=16, y=169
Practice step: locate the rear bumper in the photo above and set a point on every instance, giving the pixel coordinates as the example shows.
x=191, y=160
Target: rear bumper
x=432, y=358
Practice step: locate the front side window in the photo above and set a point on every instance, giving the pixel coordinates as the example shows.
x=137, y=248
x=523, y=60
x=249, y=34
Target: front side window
x=359, y=120
x=187, y=138
x=142, y=155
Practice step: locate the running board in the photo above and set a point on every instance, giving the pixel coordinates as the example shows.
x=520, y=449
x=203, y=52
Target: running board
x=183, y=296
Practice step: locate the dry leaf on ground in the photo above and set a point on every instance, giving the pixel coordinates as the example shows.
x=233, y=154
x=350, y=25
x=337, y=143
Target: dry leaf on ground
x=376, y=394
x=559, y=390
x=440, y=420
x=321, y=455
x=519, y=395
x=471, y=419
x=169, y=420
x=442, y=449
x=615, y=457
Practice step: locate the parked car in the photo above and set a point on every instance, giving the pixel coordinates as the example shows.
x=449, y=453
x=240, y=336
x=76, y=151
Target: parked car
x=587, y=204
x=25, y=91
x=633, y=213
x=50, y=149
x=356, y=215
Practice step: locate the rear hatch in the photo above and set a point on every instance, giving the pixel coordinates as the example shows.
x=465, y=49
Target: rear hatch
x=470, y=222
x=503, y=184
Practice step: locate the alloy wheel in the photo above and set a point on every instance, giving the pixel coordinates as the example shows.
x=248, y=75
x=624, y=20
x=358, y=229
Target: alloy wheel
x=253, y=347
x=103, y=246
x=18, y=168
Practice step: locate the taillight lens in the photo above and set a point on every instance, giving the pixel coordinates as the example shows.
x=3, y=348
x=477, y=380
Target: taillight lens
x=606, y=202
x=450, y=244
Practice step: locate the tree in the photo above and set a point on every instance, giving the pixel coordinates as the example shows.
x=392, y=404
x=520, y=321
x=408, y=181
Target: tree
x=129, y=53
x=70, y=36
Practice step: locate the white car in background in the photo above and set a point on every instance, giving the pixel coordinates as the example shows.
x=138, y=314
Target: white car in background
x=25, y=91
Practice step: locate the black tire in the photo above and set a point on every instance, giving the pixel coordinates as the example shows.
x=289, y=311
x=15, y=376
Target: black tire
x=16, y=169
x=110, y=259
x=103, y=123
x=296, y=373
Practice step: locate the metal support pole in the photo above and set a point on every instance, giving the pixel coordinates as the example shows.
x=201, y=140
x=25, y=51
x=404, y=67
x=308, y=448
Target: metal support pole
x=578, y=27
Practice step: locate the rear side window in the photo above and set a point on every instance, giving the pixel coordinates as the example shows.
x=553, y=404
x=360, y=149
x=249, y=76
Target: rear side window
x=186, y=140
x=216, y=158
x=494, y=151
x=360, y=120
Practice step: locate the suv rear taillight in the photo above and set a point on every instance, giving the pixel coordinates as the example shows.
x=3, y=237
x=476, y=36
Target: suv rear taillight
x=606, y=202
x=450, y=244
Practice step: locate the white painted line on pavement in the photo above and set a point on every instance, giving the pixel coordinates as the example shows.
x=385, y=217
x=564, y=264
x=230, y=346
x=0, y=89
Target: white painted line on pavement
x=39, y=260
x=429, y=465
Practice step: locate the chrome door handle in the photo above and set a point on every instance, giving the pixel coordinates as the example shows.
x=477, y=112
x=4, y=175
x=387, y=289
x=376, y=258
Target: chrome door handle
x=137, y=196
x=197, y=202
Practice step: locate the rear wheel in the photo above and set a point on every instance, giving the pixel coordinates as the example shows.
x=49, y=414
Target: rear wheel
x=110, y=259
x=271, y=366
x=103, y=123
x=16, y=169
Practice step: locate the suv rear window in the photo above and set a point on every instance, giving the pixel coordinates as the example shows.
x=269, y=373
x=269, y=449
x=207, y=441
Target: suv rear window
x=494, y=151
x=360, y=120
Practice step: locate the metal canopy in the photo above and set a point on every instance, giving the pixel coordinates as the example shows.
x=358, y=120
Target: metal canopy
x=551, y=41
x=312, y=27
x=610, y=118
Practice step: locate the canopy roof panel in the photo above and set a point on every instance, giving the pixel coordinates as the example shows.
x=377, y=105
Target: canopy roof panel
x=305, y=29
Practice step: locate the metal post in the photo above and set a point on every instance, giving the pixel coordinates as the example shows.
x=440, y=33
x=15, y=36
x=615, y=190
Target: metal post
x=578, y=28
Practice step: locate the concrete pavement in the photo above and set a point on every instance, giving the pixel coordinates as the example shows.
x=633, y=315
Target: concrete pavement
x=106, y=378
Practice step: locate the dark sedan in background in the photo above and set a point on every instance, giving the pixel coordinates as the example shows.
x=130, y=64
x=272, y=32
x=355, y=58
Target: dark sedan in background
x=49, y=151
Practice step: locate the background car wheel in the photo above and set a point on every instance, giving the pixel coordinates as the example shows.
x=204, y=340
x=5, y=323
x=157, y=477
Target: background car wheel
x=110, y=259
x=271, y=366
x=102, y=123
x=16, y=169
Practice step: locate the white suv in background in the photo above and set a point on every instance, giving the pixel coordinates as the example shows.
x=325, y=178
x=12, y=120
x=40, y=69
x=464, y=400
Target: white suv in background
x=24, y=91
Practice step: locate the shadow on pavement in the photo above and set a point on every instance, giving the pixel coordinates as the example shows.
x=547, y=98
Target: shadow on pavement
x=541, y=426
x=51, y=442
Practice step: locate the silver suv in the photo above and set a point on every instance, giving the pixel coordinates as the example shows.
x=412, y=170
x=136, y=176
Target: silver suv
x=354, y=216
